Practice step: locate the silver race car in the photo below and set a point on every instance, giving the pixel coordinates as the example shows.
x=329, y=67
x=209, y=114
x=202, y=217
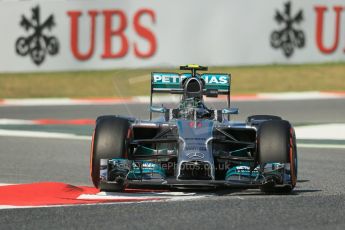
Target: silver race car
x=192, y=145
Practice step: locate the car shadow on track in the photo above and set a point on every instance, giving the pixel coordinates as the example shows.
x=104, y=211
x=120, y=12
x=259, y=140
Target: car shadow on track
x=243, y=192
x=302, y=181
x=257, y=192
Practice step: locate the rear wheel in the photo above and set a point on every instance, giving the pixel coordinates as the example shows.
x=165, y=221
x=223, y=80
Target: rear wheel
x=277, y=144
x=108, y=142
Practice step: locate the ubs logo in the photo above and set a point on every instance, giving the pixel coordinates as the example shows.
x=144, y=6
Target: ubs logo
x=288, y=37
x=38, y=43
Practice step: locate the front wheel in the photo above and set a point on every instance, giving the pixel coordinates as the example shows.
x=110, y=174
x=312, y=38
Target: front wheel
x=277, y=144
x=108, y=142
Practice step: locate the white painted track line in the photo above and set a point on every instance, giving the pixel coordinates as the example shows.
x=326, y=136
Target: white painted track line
x=5, y=121
x=321, y=146
x=36, y=134
x=321, y=132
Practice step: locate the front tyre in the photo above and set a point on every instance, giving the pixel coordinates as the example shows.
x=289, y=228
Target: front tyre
x=277, y=144
x=108, y=142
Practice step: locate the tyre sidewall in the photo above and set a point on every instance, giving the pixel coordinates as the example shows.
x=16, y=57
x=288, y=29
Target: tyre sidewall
x=109, y=141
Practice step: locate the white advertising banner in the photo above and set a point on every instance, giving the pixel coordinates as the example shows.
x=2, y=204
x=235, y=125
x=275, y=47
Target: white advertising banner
x=61, y=35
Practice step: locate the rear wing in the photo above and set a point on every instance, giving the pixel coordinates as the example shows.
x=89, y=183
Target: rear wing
x=172, y=82
x=215, y=84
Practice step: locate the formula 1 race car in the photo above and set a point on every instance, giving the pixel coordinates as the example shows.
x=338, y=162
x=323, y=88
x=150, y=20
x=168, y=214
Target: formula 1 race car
x=193, y=146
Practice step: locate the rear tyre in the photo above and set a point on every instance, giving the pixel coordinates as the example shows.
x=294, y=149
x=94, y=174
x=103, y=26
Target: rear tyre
x=108, y=142
x=277, y=144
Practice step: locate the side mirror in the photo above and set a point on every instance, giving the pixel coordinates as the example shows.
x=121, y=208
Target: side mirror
x=157, y=109
x=230, y=111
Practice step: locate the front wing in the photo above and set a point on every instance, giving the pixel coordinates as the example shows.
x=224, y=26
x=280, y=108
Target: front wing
x=151, y=175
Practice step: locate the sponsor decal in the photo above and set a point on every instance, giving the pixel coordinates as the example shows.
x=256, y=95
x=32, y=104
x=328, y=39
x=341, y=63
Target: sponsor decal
x=216, y=79
x=288, y=37
x=38, y=41
x=37, y=44
x=195, y=155
x=111, y=33
x=320, y=18
x=167, y=78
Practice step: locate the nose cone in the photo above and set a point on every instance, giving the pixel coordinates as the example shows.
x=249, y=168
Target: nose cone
x=195, y=160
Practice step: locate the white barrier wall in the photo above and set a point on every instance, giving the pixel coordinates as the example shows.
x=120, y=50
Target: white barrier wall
x=106, y=34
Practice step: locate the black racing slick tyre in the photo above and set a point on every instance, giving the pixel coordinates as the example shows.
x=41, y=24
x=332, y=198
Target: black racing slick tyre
x=273, y=141
x=277, y=143
x=108, y=141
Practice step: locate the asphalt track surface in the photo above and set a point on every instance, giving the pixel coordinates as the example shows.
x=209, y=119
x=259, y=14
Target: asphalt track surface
x=317, y=203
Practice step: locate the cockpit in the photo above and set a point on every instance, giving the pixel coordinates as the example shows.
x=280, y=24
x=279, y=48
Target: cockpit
x=193, y=108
